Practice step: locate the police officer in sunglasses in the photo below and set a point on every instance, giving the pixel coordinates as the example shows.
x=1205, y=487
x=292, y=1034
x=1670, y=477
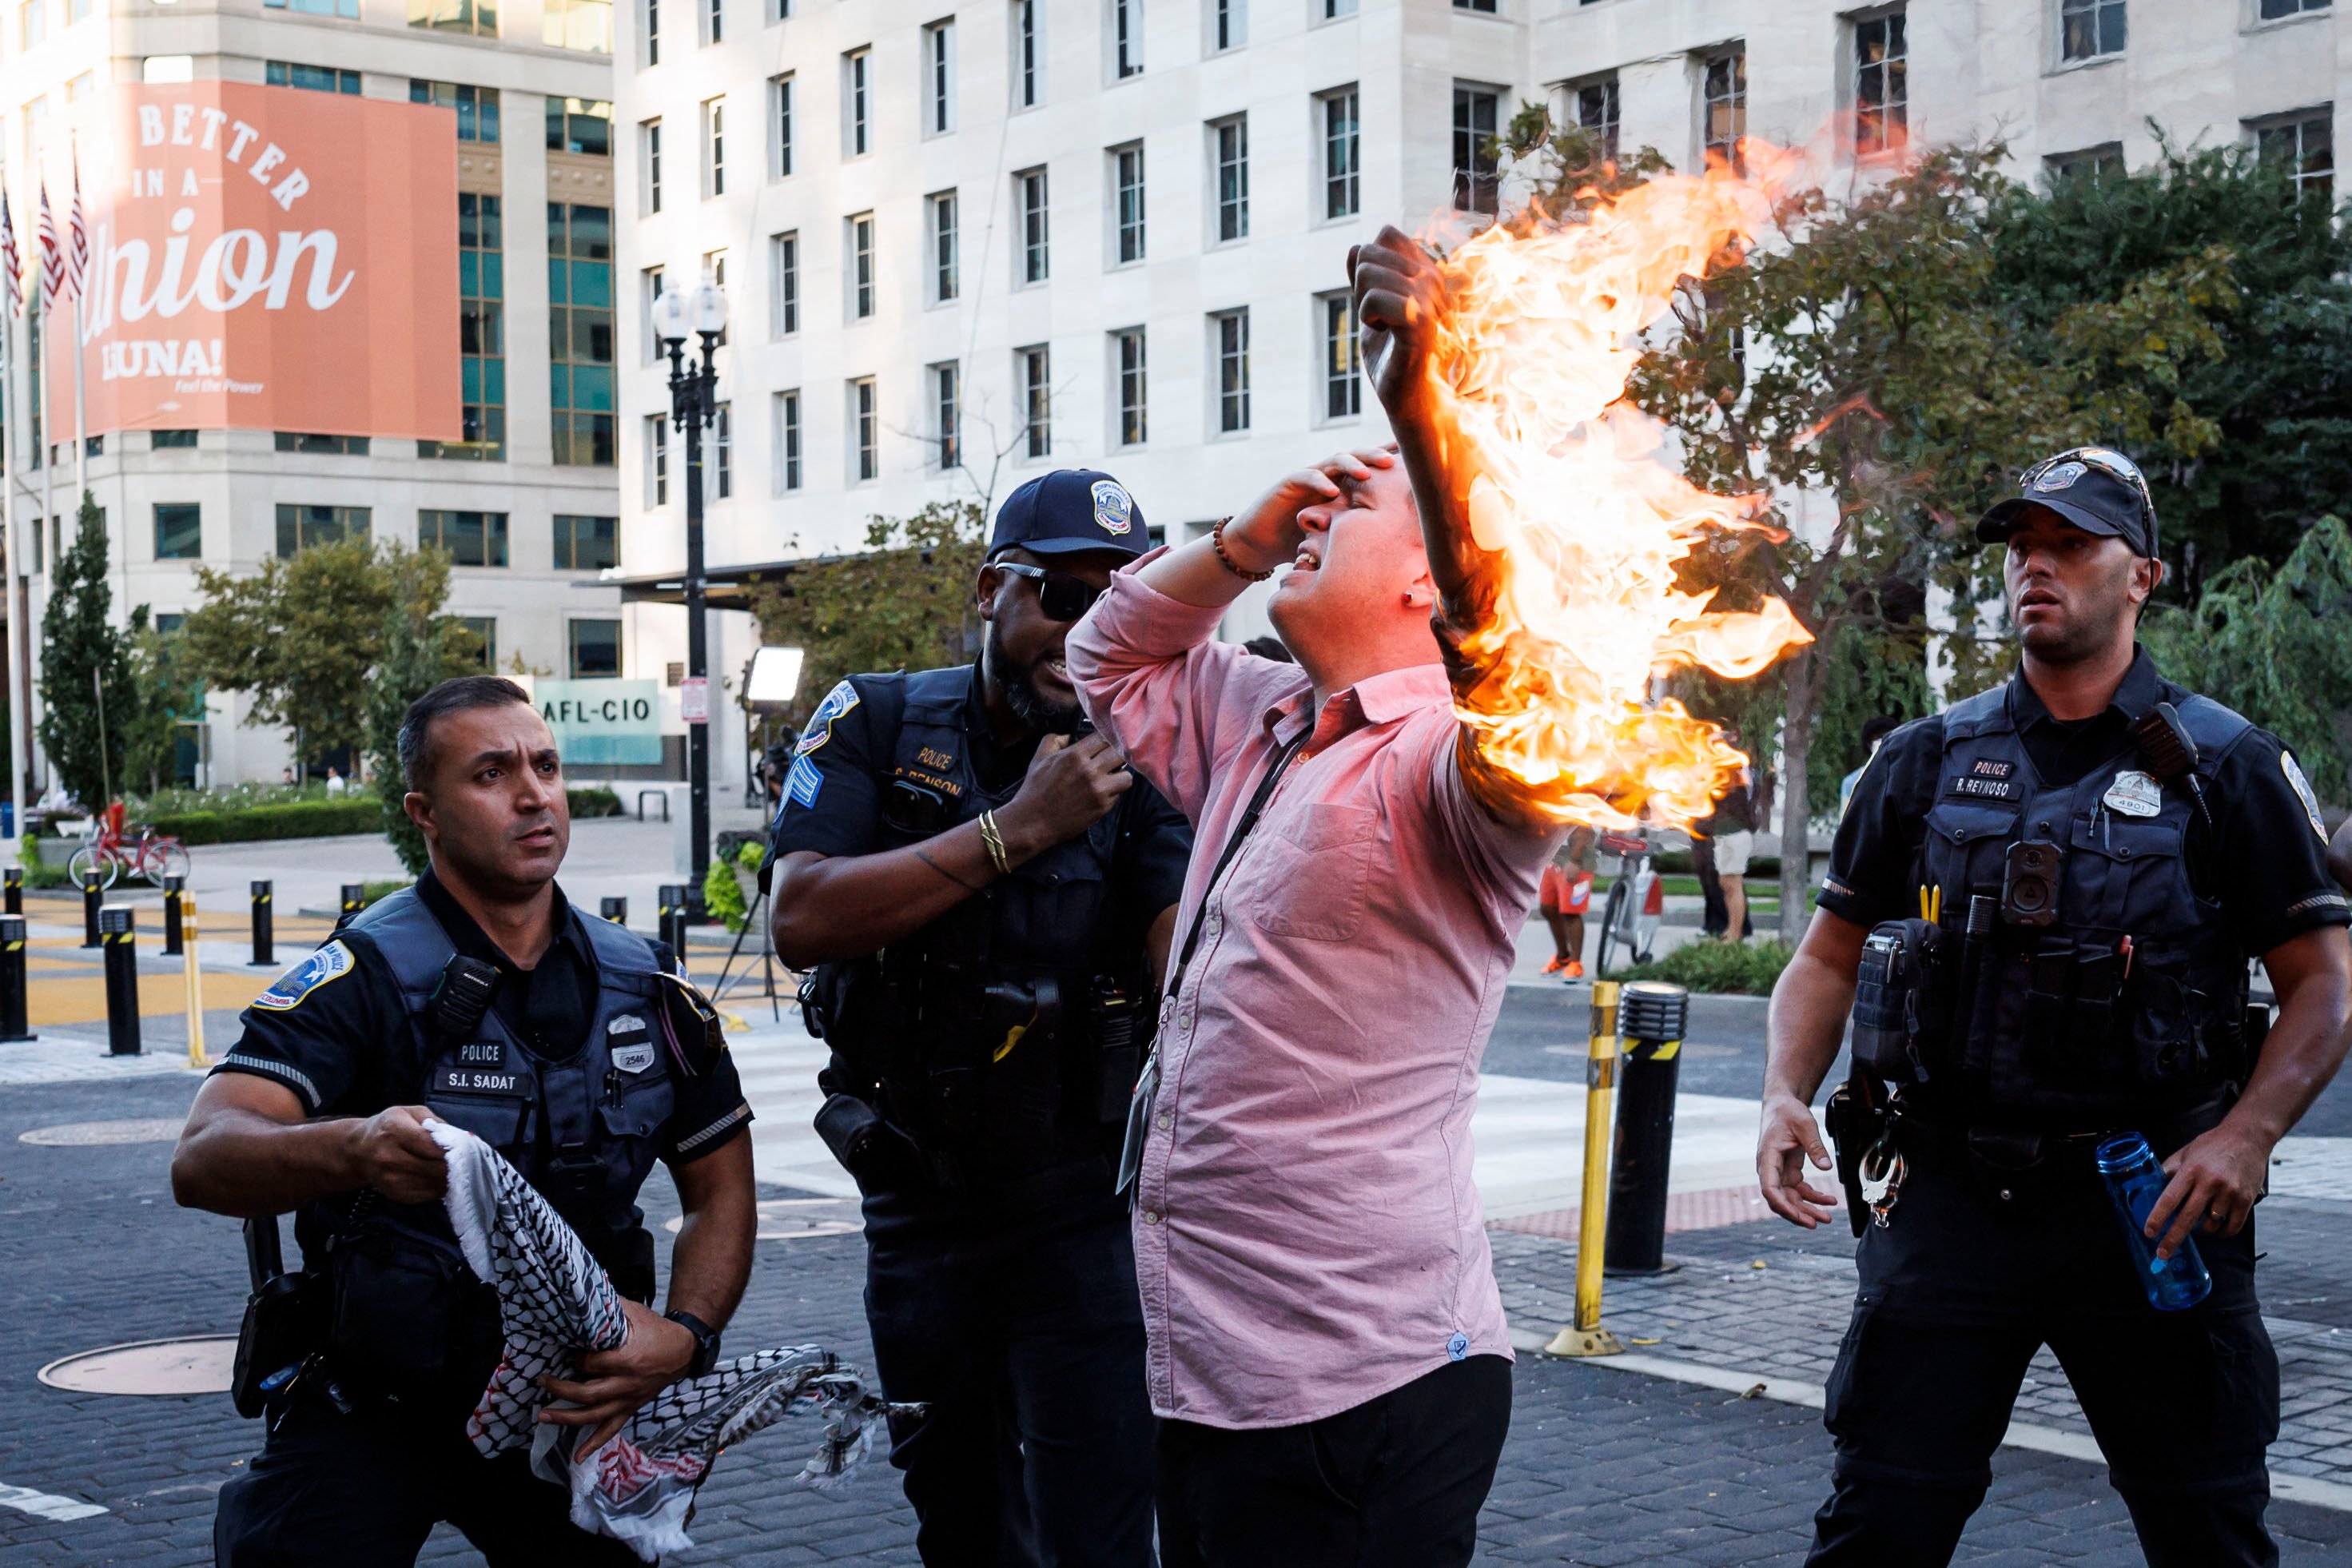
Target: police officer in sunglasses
x=985, y=895
x=2040, y=911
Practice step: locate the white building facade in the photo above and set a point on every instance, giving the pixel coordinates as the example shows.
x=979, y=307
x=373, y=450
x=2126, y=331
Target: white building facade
x=966, y=244
x=526, y=501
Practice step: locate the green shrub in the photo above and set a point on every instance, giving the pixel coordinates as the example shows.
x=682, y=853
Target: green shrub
x=593, y=800
x=723, y=894
x=289, y=819
x=376, y=892
x=1746, y=969
x=38, y=872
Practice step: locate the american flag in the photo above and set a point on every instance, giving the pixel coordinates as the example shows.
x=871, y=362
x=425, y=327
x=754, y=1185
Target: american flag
x=11, y=260
x=77, y=238
x=53, y=260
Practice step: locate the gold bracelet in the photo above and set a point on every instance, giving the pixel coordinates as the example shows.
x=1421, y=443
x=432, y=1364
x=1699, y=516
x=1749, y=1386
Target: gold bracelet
x=1217, y=538
x=994, y=841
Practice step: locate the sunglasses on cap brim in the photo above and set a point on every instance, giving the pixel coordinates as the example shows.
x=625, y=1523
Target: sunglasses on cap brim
x=1062, y=597
x=2108, y=461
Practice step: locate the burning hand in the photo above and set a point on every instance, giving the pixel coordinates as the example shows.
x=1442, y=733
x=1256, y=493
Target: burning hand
x=1399, y=299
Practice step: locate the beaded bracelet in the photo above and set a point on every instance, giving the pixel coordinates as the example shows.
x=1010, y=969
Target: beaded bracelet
x=1217, y=538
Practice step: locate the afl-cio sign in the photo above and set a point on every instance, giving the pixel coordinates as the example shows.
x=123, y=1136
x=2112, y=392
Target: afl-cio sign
x=606, y=721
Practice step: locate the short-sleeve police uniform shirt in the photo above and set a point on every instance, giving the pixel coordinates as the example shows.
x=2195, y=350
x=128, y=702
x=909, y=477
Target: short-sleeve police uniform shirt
x=2266, y=860
x=833, y=803
x=332, y=1034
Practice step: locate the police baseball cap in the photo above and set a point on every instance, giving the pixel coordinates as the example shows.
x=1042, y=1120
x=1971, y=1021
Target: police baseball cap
x=1068, y=511
x=2097, y=488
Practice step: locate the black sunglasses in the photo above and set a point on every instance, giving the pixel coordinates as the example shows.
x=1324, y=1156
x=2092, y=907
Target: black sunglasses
x=1062, y=597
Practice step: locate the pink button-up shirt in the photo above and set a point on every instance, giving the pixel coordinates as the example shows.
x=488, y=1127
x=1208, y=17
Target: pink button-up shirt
x=1307, y=1236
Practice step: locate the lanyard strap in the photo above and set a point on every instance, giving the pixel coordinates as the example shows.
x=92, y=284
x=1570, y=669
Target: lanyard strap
x=1232, y=847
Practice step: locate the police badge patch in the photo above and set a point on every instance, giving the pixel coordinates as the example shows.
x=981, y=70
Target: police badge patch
x=2061, y=477
x=838, y=702
x=332, y=962
x=2302, y=791
x=1114, y=511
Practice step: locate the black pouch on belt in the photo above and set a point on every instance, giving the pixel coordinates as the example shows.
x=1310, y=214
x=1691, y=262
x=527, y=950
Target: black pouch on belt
x=1890, y=989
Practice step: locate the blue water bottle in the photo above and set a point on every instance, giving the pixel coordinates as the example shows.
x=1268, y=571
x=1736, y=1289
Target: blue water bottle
x=2136, y=1181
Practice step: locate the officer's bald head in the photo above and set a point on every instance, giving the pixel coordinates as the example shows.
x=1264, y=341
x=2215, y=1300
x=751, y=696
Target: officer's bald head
x=419, y=753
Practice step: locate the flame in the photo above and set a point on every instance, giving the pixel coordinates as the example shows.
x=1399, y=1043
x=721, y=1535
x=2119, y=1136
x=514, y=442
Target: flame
x=1575, y=489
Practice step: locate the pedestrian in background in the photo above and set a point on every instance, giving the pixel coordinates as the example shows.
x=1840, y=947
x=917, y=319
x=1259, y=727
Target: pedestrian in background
x=335, y=784
x=1564, y=897
x=987, y=896
x=1873, y=734
x=1729, y=834
x=1329, y=1353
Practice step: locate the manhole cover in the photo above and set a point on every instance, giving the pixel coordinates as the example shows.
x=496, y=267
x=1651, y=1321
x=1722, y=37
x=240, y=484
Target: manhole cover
x=797, y=1219
x=196, y=1366
x=77, y=1135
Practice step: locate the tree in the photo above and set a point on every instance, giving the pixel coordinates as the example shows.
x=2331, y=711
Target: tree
x=417, y=648
x=905, y=604
x=166, y=693
x=85, y=668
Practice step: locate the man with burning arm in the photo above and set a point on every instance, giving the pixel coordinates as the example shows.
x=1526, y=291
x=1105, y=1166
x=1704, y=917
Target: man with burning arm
x=1327, y=1350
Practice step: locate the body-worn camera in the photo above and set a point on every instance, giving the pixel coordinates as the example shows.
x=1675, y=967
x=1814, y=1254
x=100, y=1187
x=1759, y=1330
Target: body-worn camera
x=2029, y=884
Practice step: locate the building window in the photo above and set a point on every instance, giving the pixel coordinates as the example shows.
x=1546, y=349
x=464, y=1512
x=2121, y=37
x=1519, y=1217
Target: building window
x=1487, y=6
x=946, y=413
x=657, y=459
x=722, y=451
x=471, y=538
x=179, y=530
x=1036, y=368
x=584, y=24
x=1476, y=171
x=311, y=78
x=485, y=629
x=1342, y=156
x=1724, y=106
x=1029, y=186
x=1126, y=39
x=1335, y=9
x=1028, y=64
x=861, y=266
x=1229, y=26
x=1232, y=371
x=2090, y=29
x=714, y=148
x=1343, y=382
x=595, y=650
x=649, y=149
x=1881, y=98
x=650, y=16
x=1127, y=180
x=166, y=441
x=938, y=77
x=788, y=441
x=481, y=333
x=300, y=527
x=780, y=127
x=2305, y=145
x=2273, y=10
x=1127, y=349
x=587, y=543
x=317, y=446
x=581, y=125
x=1231, y=144
x=1597, y=112
x=649, y=292
x=864, y=423
x=783, y=284
x=857, y=103
x=943, y=246
x=2090, y=164
x=479, y=18
x=714, y=21
x=477, y=107
x=580, y=333
x=349, y=10
x=33, y=24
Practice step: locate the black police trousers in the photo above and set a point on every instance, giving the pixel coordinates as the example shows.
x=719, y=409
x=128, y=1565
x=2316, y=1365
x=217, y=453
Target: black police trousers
x=1017, y=1320
x=1956, y=1294
x=1394, y=1482
x=363, y=1490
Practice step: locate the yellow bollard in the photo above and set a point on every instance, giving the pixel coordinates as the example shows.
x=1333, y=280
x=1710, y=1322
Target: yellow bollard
x=195, y=972
x=1586, y=1337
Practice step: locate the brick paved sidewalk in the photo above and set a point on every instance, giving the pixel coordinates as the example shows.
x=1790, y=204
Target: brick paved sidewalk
x=1603, y=1467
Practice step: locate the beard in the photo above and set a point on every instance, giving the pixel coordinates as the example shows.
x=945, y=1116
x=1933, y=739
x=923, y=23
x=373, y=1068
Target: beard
x=1018, y=683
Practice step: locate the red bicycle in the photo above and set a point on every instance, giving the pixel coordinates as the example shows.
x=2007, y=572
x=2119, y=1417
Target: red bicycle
x=113, y=855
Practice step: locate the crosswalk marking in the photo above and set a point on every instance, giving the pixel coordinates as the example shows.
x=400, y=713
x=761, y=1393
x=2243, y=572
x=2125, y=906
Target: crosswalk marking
x=43, y=1505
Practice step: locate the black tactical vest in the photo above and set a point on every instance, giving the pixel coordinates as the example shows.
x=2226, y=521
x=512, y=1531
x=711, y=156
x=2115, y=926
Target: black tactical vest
x=980, y=1029
x=2127, y=1007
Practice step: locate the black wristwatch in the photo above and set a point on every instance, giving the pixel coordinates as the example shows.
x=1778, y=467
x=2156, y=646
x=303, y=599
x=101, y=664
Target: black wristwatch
x=706, y=1341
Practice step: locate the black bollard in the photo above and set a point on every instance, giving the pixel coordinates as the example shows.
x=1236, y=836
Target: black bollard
x=92, y=894
x=354, y=900
x=673, y=918
x=1650, y=1018
x=175, y=888
x=263, y=935
x=121, y=980
x=616, y=909
x=13, y=1025
x=12, y=890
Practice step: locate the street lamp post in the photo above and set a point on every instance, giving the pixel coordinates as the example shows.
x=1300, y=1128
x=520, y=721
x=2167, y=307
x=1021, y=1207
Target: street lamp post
x=692, y=406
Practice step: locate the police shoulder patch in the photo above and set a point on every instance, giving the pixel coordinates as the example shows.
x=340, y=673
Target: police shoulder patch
x=2294, y=772
x=838, y=702
x=332, y=962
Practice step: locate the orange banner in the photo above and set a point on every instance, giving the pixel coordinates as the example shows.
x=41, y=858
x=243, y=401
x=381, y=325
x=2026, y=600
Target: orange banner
x=263, y=258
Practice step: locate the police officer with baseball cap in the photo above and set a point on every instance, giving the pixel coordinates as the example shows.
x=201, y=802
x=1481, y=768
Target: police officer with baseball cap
x=985, y=895
x=2040, y=908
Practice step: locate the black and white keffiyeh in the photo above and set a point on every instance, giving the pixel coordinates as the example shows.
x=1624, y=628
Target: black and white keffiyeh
x=557, y=1305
